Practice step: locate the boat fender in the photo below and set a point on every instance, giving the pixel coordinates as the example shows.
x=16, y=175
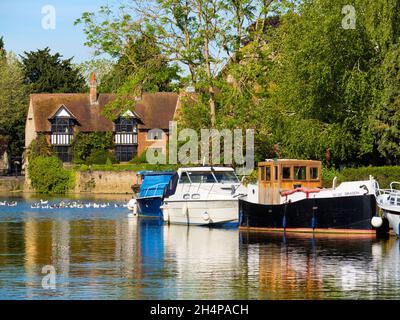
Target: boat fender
x=376, y=222
x=284, y=222
x=206, y=216
x=132, y=206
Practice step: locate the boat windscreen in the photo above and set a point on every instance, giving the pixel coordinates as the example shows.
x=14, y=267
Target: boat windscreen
x=226, y=177
x=208, y=177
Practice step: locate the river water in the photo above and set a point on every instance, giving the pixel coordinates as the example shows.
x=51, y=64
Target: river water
x=105, y=254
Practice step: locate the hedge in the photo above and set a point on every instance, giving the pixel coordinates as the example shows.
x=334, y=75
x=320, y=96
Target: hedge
x=384, y=175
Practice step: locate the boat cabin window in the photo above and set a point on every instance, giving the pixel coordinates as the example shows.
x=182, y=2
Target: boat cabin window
x=227, y=176
x=262, y=173
x=268, y=173
x=184, y=178
x=276, y=173
x=313, y=173
x=286, y=173
x=300, y=173
x=201, y=177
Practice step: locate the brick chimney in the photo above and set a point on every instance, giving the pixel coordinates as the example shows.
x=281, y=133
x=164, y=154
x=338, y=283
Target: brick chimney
x=93, y=89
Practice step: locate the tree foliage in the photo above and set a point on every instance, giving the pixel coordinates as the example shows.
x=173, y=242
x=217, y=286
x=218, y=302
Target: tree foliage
x=13, y=101
x=48, y=73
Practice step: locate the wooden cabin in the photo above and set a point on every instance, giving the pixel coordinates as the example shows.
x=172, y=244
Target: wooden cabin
x=275, y=176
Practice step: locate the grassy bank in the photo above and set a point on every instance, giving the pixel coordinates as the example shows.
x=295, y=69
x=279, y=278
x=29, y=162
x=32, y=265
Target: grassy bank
x=125, y=167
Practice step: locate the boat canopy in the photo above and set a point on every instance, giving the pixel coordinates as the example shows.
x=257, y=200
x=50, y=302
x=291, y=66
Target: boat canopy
x=157, y=184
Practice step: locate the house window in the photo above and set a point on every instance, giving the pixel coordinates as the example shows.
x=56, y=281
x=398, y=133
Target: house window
x=63, y=152
x=154, y=134
x=125, y=153
x=126, y=139
x=61, y=137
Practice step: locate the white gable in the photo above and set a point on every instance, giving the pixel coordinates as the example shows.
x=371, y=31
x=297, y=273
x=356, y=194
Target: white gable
x=62, y=112
x=129, y=113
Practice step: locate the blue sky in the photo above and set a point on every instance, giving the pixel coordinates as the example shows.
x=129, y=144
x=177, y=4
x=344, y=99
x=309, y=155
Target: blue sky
x=21, y=26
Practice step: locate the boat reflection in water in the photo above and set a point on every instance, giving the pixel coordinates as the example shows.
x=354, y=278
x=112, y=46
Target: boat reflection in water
x=303, y=266
x=104, y=254
x=206, y=261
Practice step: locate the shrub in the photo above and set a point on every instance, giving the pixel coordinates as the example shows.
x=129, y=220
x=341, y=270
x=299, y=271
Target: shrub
x=39, y=147
x=384, y=175
x=99, y=156
x=139, y=158
x=48, y=175
x=85, y=144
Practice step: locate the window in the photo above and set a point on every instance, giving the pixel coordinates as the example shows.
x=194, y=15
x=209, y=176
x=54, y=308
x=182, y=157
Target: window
x=300, y=173
x=226, y=177
x=184, y=178
x=64, y=153
x=154, y=134
x=62, y=125
x=276, y=173
x=201, y=177
x=268, y=173
x=125, y=125
x=262, y=173
x=125, y=153
x=286, y=173
x=314, y=173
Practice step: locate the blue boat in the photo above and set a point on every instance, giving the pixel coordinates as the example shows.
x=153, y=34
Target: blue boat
x=155, y=186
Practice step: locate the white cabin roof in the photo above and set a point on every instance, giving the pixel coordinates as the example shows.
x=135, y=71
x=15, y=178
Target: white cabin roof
x=197, y=169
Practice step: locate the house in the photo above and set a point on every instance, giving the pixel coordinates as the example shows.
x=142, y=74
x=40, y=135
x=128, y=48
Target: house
x=59, y=116
x=4, y=159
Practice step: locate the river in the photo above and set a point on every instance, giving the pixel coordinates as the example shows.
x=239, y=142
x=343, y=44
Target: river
x=105, y=254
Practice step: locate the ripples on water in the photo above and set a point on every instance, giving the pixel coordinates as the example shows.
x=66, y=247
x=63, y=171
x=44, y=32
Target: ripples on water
x=104, y=254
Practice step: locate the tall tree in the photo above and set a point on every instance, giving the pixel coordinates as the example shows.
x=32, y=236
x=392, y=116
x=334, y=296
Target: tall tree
x=13, y=102
x=48, y=73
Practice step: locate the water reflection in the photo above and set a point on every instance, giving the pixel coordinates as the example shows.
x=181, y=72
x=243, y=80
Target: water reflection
x=104, y=254
x=300, y=266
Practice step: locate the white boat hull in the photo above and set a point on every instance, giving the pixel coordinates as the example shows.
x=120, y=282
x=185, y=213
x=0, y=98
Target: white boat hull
x=394, y=221
x=201, y=212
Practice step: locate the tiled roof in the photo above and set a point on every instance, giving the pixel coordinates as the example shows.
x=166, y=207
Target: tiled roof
x=154, y=109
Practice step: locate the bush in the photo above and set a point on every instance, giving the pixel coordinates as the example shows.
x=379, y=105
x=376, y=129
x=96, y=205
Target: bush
x=39, y=147
x=99, y=156
x=139, y=158
x=85, y=144
x=384, y=175
x=48, y=175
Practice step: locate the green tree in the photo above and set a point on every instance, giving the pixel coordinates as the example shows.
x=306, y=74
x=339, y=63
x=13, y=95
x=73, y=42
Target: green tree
x=13, y=103
x=48, y=73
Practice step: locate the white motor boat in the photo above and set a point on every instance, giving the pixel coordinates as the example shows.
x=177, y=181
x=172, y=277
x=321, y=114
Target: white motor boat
x=204, y=196
x=389, y=201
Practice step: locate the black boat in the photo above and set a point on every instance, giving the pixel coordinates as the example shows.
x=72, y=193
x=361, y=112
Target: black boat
x=349, y=208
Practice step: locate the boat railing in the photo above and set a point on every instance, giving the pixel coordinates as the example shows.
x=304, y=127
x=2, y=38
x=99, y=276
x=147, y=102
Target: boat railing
x=154, y=188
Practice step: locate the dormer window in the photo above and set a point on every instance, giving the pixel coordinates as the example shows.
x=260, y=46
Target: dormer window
x=126, y=138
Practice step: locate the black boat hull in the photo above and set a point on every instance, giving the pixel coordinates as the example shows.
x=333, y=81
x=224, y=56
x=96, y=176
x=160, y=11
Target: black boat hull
x=351, y=214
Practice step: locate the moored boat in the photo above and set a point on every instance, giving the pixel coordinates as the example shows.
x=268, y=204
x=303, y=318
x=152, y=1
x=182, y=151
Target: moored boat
x=291, y=199
x=204, y=196
x=155, y=186
x=389, y=201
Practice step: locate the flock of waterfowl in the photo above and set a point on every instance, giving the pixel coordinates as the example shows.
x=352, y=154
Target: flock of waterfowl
x=8, y=203
x=42, y=204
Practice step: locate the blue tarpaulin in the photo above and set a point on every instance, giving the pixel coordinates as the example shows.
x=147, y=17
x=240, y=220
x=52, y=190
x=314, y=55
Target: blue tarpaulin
x=154, y=183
